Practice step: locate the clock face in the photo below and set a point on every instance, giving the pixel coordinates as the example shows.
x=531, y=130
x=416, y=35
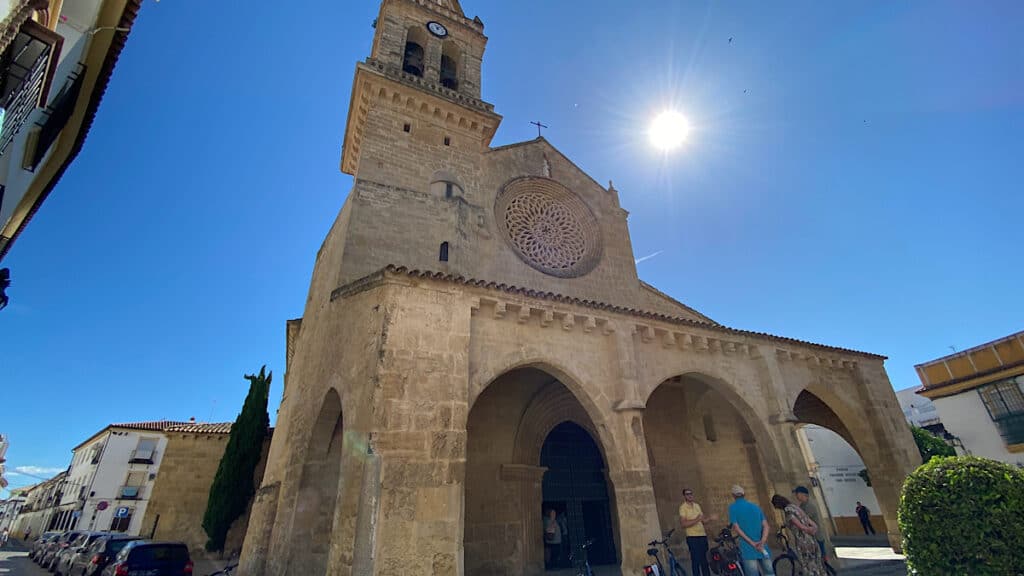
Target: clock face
x=437, y=29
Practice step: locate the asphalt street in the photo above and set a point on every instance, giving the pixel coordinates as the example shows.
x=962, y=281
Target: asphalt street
x=14, y=562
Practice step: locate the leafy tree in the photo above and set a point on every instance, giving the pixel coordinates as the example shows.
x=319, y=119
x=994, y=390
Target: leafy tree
x=962, y=515
x=234, y=484
x=930, y=445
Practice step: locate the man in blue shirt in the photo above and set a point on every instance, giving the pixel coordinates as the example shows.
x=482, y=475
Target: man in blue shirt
x=749, y=523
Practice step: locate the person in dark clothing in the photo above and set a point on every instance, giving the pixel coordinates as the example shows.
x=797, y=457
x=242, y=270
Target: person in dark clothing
x=865, y=518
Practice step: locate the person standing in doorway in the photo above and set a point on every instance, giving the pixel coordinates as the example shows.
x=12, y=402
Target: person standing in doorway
x=692, y=518
x=750, y=524
x=553, y=532
x=803, y=499
x=3, y=537
x=865, y=518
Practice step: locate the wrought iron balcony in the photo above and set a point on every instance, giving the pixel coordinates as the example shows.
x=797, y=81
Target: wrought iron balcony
x=27, y=67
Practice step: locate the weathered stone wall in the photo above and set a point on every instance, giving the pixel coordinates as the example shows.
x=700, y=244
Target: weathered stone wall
x=182, y=490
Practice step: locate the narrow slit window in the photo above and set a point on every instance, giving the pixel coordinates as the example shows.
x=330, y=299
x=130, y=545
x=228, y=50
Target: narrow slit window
x=447, y=141
x=449, y=189
x=443, y=256
x=407, y=128
x=709, y=428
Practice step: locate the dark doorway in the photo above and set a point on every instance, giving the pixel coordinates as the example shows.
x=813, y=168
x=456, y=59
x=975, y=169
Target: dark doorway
x=575, y=485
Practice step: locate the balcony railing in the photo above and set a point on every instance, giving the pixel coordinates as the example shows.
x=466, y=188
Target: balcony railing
x=129, y=493
x=1011, y=428
x=26, y=69
x=142, y=456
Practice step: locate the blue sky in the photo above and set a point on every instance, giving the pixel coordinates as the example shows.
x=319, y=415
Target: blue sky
x=853, y=178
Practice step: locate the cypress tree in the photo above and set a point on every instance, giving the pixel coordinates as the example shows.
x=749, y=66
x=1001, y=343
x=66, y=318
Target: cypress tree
x=233, y=486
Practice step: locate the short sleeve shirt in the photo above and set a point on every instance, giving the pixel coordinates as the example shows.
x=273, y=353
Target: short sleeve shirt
x=812, y=512
x=688, y=511
x=749, y=518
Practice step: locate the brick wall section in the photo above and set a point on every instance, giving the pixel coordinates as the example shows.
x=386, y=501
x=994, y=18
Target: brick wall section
x=182, y=490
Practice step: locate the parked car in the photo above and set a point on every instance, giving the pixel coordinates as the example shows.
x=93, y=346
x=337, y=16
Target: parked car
x=100, y=554
x=40, y=542
x=142, y=557
x=57, y=545
x=78, y=547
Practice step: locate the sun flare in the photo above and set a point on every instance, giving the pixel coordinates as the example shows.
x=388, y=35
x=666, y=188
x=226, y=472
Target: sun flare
x=669, y=130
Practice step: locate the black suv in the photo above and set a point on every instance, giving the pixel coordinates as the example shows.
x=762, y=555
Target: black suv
x=145, y=558
x=99, y=555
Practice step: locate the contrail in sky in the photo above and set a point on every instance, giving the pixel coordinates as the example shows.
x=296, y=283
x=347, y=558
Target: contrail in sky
x=648, y=257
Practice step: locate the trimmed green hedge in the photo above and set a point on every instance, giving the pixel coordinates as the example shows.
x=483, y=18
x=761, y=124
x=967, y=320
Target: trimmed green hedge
x=963, y=516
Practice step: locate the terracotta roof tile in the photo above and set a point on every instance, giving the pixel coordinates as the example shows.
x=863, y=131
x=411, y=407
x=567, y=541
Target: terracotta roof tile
x=202, y=427
x=155, y=426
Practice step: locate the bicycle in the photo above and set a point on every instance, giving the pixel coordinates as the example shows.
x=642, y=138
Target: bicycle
x=785, y=564
x=584, y=569
x=228, y=570
x=725, y=556
x=674, y=569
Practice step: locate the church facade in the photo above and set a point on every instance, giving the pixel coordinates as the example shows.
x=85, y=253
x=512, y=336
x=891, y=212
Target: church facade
x=477, y=349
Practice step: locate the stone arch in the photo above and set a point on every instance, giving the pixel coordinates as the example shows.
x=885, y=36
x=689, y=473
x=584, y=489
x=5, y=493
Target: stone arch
x=700, y=433
x=319, y=486
x=451, y=65
x=507, y=425
x=819, y=406
x=731, y=392
x=446, y=185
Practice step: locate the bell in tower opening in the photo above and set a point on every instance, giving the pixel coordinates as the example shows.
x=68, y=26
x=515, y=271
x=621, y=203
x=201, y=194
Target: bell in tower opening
x=412, y=63
x=450, y=66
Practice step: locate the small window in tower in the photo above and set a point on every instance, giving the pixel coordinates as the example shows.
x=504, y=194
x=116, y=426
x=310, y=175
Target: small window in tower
x=449, y=189
x=407, y=128
x=443, y=257
x=447, y=141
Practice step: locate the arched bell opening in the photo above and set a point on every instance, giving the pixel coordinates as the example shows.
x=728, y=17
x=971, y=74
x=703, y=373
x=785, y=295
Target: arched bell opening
x=451, y=61
x=414, y=59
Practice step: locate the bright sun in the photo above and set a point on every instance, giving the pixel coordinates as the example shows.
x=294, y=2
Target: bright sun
x=668, y=131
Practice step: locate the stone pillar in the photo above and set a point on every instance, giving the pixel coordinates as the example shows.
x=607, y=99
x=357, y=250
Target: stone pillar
x=419, y=514
x=530, y=482
x=634, y=500
x=256, y=548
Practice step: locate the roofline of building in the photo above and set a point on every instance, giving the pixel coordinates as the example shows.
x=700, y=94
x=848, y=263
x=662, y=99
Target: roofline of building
x=371, y=280
x=117, y=44
x=971, y=382
x=1018, y=336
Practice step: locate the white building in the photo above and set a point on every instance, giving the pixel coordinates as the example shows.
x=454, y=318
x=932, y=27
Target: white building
x=979, y=394
x=57, y=59
x=41, y=500
x=10, y=508
x=111, y=476
x=836, y=466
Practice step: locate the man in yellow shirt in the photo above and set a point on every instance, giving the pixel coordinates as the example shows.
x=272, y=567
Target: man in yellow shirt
x=692, y=518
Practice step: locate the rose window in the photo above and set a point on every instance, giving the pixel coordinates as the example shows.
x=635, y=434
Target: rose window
x=549, y=227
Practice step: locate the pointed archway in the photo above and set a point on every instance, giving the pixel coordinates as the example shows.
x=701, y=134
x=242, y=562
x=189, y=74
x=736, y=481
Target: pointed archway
x=315, y=506
x=523, y=420
x=701, y=435
x=836, y=453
